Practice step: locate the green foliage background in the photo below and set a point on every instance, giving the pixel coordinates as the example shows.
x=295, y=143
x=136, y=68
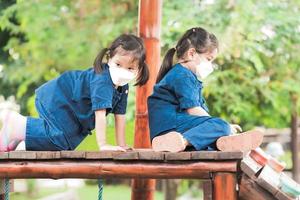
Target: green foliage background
x=258, y=61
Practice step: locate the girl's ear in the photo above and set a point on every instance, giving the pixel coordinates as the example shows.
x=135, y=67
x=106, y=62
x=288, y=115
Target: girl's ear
x=191, y=53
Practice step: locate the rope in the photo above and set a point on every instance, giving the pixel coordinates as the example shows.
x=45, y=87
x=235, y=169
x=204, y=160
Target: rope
x=6, y=189
x=100, y=186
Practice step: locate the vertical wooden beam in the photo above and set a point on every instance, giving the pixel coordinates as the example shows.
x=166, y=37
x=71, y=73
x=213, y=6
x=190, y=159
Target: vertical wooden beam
x=295, y=140
x=170, y=189
x=149, y=31
x=224, y=186
x=143, y=189
x=207, y=189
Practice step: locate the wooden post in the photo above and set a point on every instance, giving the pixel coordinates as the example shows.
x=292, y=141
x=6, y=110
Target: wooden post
x=170, y=189
x=295, y=140
x=207, y=189
x=149, y=31
x=224, y=186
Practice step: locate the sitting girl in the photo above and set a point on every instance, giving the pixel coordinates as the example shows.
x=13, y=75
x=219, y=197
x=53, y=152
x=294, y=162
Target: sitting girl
x=178, y=115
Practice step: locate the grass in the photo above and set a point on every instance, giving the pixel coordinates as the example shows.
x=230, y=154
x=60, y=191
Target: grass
x=111, y=192
x=37, y=195
x=90, y=144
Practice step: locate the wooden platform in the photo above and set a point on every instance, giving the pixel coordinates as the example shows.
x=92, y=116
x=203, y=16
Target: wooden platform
x=137, y=154
x=133, y=164
x=217, y=168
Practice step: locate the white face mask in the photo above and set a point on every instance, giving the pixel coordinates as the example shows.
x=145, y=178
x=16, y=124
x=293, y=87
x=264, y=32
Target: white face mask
x=204, y=69
x=120, y=76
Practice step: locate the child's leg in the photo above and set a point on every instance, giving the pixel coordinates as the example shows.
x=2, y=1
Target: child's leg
x=199, y=132
x=13, y=129
x=214, y=134
x=171, y=141
x=204, y=135
x=240, y=142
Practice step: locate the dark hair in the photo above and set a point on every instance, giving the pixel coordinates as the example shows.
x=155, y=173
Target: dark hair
x=130, y=44
x=197, y=38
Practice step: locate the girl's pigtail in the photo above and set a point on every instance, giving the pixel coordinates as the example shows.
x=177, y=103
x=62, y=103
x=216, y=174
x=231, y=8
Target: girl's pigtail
x=98, y=60
x=166, y=64
x=143, y=75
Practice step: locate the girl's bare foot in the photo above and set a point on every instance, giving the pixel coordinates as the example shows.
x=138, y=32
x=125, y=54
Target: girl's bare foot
x=240, y=142
x=171, y=142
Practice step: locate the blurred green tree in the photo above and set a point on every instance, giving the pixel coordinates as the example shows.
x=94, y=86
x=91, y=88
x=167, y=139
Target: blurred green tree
x=258, y=61
x=259, y=66
x=58, y=36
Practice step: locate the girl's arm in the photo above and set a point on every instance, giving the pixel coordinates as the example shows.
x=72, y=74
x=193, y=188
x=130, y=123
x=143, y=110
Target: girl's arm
x=120, y=122
x=199, y=111
x=100, y=117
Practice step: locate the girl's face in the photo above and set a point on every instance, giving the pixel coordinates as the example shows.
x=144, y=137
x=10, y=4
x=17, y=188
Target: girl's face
x=123, y=68
x=197, y=58
x=193, y=59
x=127, y=62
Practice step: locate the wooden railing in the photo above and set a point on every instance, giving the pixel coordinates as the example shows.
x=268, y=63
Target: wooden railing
x=218, y=169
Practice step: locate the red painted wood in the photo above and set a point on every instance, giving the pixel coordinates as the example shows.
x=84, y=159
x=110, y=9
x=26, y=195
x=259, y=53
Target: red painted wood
x=149, y=31
x=93, y=169
x=225, y=186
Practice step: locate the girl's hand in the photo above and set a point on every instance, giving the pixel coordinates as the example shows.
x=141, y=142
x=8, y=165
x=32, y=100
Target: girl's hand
x=235, y=128
x=111, y=148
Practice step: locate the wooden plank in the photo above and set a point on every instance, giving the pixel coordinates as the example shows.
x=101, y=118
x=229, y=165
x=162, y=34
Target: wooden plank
x=250, y=190
x=229, y=155
x=102, y=155
x=136, y=154
x=203, y=155
x=224, y=186
x=48, y=155
x=144, y=154
x=24, y=155
x=3, y=155
x=207, y=189
x=216, y=155
x=130, y=155
x=178, y=156
x=72, y=154
x=151, y=155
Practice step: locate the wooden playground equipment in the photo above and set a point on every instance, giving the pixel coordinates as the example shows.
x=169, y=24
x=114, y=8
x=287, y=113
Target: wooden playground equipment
x=226, y=175
x=218, y=169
